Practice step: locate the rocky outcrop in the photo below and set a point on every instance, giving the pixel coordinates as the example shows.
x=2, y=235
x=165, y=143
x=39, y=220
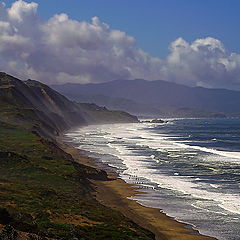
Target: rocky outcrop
x=155, y=121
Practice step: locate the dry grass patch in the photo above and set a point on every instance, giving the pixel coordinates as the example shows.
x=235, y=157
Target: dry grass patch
x=76, y=220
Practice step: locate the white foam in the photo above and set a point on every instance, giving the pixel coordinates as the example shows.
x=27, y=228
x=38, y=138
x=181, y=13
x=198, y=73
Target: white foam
x=214, y=185
x=140, y=166
x=232, y=155
x=159, y=143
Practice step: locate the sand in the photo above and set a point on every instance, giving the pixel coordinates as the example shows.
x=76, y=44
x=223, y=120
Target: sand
x=115, y=193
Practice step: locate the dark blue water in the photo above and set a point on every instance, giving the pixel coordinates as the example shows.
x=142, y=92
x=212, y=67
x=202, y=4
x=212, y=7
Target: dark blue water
x=221, y=134
x=190, y=168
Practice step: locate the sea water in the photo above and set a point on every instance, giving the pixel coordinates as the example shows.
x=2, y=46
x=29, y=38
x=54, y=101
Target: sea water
x=189, y=168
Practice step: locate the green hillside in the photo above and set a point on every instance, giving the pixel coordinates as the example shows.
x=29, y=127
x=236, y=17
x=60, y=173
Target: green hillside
x=44, y=194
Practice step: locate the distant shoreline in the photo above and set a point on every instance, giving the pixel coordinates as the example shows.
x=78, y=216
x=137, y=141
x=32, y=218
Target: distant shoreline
x=115, y=193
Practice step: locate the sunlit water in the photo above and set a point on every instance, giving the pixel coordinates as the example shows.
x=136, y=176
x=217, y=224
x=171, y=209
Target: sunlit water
x=189, y=168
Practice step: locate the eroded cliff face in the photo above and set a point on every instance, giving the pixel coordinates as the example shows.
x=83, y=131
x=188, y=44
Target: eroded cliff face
x=31, y=102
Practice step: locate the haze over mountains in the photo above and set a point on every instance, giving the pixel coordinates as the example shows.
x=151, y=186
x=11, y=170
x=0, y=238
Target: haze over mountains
x=156, y=98
x=33, y=103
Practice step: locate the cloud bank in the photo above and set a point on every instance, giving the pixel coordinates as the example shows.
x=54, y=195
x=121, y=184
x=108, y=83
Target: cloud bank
x=63, y=50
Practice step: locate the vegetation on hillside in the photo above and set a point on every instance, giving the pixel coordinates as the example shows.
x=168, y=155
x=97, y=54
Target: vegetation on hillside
x=44, y=194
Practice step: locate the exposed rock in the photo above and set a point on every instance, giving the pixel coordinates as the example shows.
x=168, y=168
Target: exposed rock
x=155, y=121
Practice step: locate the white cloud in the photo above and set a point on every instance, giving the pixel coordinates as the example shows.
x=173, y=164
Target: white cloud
x=22, y=11
x=204, y=62
x=65, y=50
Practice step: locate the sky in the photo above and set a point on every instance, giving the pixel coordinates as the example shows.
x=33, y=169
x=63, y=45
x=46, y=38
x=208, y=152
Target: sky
x=190, y=42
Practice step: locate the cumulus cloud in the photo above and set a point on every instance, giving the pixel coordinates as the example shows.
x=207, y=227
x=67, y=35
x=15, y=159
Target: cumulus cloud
x=65, y=50
x=205, y=62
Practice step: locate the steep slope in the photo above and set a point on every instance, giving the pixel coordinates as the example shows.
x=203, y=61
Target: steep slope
x=45, y=193
x=51, y=112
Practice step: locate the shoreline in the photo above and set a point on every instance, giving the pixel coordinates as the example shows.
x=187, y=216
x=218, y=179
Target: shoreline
x=115, y=194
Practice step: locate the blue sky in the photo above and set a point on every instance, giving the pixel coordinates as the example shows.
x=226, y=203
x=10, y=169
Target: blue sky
x=156, y=23
x=192, y=42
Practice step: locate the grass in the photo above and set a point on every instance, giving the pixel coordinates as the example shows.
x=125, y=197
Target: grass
x=43, y=192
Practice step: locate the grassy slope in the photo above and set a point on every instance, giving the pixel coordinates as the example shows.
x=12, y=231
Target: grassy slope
x=43, y=192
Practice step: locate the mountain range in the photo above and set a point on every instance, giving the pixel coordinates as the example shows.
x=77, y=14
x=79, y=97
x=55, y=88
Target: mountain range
x=156, y=98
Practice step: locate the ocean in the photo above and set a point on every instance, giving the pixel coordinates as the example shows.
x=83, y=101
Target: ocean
x=188, y=168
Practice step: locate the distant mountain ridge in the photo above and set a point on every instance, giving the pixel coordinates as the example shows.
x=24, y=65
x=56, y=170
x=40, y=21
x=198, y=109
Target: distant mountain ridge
x=165, y=97
x=35, y=103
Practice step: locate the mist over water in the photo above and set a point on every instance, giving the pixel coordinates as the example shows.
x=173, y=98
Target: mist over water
x=189, y=168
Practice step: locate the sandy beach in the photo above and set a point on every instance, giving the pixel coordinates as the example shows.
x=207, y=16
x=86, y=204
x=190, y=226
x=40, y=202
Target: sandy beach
x=114, y=194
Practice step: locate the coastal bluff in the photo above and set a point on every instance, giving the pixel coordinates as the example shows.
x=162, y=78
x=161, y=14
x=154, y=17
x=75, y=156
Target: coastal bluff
x=49, y=190
x=45, y=193
x=47, y=110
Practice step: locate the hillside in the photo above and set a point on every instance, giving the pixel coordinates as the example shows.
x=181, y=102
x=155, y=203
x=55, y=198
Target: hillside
x=45, y=194
x=46, y=109
x=164, y=98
